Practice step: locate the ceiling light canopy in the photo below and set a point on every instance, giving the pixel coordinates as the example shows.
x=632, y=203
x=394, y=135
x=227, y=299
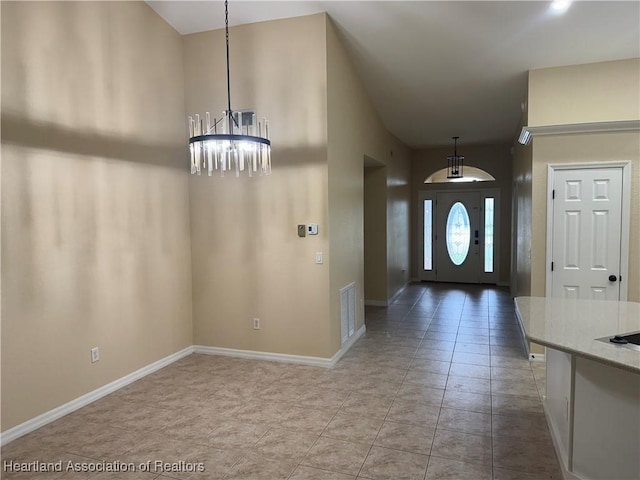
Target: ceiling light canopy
x=236, y=142
x=455, y=162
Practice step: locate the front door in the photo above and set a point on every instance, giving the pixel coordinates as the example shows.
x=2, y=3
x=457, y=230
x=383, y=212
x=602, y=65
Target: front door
x=586, y=233
x=458, y=237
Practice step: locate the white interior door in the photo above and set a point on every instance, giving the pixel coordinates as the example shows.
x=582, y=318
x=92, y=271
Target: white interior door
x=587, y=225
x=458, y=237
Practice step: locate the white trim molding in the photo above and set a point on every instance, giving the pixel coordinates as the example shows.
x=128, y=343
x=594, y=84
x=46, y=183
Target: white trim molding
x=59, y=412
x=282, y=357
x=528, y=133
x=537, y=357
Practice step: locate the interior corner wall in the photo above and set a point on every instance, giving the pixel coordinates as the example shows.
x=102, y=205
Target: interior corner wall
x=95, y=217
x=398, y=216
x=248, y=261
x=375, y=235
x=521, y=230
x=522, y=226
x=598, y=92
x=521, y=211
x=355, y=130
x=495, y=159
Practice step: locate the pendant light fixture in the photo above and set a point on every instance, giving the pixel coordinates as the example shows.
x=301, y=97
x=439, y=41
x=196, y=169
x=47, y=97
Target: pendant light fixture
x=236, y=142
x=455, y=162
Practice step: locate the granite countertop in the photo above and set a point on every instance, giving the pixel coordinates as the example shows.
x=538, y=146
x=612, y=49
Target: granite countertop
x=573, y=326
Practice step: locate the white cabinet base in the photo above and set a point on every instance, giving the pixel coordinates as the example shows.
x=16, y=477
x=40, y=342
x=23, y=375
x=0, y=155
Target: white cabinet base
x=606, y=432
x=593, y=410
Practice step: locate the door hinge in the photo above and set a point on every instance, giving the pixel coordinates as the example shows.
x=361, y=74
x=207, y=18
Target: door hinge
x=553, y=194
x=552, y=266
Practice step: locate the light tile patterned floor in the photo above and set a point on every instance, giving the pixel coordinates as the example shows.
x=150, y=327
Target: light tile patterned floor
x=438, y=388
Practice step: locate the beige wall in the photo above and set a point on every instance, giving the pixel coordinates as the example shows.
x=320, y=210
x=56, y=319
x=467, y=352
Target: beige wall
x=522, y=208
x=521, y=214
x=595, y=92
x=521, y=228
x=375, y=235
x=495, y=159
x=398, y=217
x=355, y=131
x=247, y=258
x=95, y=219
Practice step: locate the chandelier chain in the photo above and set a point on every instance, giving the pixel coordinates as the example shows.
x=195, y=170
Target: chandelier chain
x=226, y=27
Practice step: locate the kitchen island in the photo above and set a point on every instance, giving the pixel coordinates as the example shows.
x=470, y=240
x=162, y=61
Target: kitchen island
x=592, y=400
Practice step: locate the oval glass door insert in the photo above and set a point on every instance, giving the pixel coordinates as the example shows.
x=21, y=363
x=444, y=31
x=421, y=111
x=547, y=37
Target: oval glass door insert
x=458, y=233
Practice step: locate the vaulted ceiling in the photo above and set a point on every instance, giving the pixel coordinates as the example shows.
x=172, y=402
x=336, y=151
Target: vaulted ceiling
x=438, y=69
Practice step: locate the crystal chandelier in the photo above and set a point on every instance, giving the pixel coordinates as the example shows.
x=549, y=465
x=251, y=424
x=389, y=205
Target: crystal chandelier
x=455, y=162
x=236, y=142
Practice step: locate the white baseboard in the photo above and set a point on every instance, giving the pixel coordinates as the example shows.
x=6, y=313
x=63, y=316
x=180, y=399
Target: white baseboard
x=256, y=355
x=523, y=336
x=397, y=294
x=386, y=303
x=375, y=303
x=537, y=357
x=282, y=357
x=349, y=343
x=59, y=412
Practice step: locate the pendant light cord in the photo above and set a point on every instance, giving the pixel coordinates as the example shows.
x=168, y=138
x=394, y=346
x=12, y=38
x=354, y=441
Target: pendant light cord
x=226, y=26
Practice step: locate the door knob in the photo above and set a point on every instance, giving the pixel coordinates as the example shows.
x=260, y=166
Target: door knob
x=612, y=278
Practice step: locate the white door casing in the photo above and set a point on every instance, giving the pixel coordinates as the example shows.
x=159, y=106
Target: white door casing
x=586, y=232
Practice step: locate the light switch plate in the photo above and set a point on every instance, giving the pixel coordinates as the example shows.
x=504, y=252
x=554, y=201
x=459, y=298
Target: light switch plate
x=302, y=230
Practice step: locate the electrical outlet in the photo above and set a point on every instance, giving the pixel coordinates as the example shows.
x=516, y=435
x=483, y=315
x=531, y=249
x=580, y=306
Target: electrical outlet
x=256, y=324
x=95, y=354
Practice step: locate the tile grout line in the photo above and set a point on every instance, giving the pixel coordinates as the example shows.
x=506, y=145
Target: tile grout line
x=392, y=402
